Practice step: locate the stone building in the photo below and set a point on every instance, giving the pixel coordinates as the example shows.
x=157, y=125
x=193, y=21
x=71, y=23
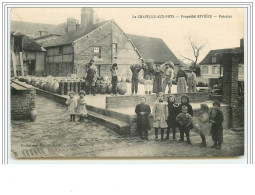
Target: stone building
x=211, y=65
x=27, y=56
x=105, y=42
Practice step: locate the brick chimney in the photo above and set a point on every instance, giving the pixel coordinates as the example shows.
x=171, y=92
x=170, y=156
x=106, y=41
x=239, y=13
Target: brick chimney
x=86, y=17
x=241, y=43
x=71, y=24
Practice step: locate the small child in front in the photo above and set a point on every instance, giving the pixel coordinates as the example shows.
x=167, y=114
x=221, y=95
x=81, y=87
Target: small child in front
x=147, y=85
x=71, y=106
x=81, y=106
x=184, y=119
x=143, y=123
x=160, y=113
x=217, y=118
x=201, y=124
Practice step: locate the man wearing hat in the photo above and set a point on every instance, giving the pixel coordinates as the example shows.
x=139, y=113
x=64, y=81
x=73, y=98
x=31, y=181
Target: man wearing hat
x=168, y=74
x=90, y=80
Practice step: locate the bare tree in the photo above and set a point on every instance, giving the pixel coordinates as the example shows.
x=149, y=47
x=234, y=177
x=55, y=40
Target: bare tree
x=196, y=45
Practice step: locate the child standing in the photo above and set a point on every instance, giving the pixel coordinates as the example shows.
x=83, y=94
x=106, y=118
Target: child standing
x=143, y=124
x=202, y=126
x=81, y=106
x=160, y=113
x=217, y=118
x=147, y=85
x=184, y=119
x=71, y=106
x=185, y=102
x=172, y=114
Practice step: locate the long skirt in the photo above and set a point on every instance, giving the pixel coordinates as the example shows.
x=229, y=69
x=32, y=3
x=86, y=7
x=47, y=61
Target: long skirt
x=157, y=84
x=181, y=85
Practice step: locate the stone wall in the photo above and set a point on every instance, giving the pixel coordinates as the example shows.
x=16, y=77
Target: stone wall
x=22, y=102
x=129, y=101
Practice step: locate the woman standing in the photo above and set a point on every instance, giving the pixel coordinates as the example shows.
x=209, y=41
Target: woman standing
x=181, y=80
x=157, y=84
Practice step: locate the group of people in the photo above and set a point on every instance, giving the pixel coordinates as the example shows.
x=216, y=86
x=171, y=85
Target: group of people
x=170, y=116
x=157, y=78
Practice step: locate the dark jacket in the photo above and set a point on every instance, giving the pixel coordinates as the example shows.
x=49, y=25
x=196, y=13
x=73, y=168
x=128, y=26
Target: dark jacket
x=172, y=113
x=143, y=120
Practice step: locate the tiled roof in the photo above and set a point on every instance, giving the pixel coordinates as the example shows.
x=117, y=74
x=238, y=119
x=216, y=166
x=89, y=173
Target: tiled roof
x=153, y=48
x=28, y=43
x=30, y=28
x=218, y=53
x=69, y=37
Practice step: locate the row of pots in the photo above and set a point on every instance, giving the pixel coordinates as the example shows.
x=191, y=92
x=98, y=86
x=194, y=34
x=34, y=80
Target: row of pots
x=58, y=85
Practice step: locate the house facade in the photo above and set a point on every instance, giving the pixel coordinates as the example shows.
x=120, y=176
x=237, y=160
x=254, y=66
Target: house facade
x=211, y=65
x=27, y=56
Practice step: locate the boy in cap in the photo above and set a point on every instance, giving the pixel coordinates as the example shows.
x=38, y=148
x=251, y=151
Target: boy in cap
x=185, y=120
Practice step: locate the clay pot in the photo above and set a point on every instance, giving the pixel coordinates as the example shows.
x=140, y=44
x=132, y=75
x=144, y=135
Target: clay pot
x=122, y=88
x=109, y=88
x=37, y=82
x=103, y=88
x=123, y=79
x=55, y=87
x=33, y=114
x=105, y=78
x=33, y=82
x=44, y=86
x=128, y=79
x=28, y=80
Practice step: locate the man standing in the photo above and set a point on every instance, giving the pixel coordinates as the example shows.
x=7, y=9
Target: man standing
x=91, y=71
x=191, y=82
x=168, y=76
x=135, y=68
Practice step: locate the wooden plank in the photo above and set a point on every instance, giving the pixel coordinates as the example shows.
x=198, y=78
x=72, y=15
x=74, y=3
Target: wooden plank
x=21, y=63
x=14, y=63
x=17, y=87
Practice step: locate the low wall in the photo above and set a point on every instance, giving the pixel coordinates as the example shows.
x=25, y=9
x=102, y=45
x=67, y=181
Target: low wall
x=127, y=101
x=22, y=100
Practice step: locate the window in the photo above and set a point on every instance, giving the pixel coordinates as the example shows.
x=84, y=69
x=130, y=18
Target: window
x=204, y=70
x=214, y=69
x=214, y=58
x=114, y=48
x=97, y=51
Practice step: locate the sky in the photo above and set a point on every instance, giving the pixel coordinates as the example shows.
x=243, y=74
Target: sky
x=216, y=32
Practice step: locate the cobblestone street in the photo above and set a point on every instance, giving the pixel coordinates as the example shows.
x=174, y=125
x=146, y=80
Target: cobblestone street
x=53, y=136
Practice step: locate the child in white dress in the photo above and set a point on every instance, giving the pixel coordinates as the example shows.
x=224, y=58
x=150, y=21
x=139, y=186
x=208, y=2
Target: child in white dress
x=71, y=106
x=81, y=106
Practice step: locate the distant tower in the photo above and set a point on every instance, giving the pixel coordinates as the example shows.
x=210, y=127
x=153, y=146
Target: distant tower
x=86, y=17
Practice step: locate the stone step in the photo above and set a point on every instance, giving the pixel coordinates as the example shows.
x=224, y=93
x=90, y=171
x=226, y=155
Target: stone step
x=119, y=127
